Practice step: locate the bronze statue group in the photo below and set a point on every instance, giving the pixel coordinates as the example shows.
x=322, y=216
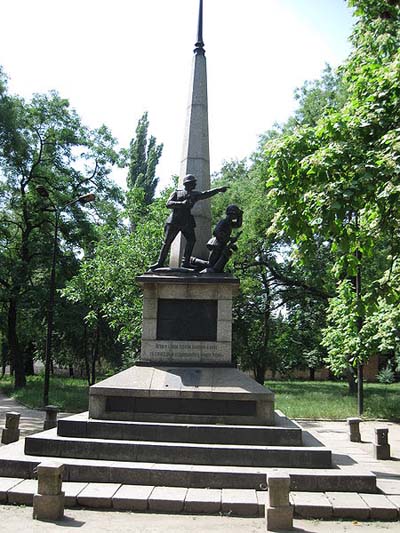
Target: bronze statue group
x=222, y=243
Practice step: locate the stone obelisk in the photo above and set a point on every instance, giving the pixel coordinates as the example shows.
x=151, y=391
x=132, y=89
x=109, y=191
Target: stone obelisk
x=196, y=152
x=185, y=373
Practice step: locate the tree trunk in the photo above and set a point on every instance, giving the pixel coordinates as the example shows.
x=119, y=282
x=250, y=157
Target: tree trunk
x=16, y=356
x=4, y=351
x=71, y=371
x=95, y=353
x=85, y=354
x=259, y=374
x=312, y=374
x=351, y=381
x=29, y=351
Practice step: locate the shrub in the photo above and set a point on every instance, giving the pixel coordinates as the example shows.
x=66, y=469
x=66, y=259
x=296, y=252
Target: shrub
x=386, y=375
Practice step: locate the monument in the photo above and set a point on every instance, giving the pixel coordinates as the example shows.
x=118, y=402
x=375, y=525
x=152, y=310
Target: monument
x=185, y=372
x=184, y=416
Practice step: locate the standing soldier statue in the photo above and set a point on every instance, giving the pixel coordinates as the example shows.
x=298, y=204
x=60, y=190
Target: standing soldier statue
x=181, y=219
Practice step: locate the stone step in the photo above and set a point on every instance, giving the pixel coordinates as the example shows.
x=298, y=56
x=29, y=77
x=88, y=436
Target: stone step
x=15, y=463
x=237, y=502
x=48, y=443
x=81, y=426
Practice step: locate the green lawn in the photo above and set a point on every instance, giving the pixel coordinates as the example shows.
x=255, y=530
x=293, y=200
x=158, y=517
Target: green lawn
x=70, y=395
x=328, y=399
x=297, y=399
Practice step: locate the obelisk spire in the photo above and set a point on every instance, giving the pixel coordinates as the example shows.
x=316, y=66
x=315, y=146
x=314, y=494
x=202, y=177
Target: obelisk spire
x=199, y=43
x=196, y=151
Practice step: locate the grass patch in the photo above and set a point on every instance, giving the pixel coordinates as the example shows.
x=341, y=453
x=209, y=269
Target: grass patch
x=69, y=394
x=297, y=399
x=331, y=400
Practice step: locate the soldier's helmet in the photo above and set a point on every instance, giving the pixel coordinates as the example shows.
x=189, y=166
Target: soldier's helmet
x=233, y=210
x=189, y=179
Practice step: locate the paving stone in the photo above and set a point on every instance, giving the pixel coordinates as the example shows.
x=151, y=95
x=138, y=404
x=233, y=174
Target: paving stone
x=311, y=504
x=389, y=486
x=381, y=508
x=239, y=502
x=71, y=490
x=132, y=497
x=348, y=505
x=7, y=483
x=207, y=501
x=98, y=495
x=167, y=499
x=22, y=494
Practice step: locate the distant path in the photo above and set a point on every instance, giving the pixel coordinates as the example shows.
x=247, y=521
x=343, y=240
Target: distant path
x=31, y=419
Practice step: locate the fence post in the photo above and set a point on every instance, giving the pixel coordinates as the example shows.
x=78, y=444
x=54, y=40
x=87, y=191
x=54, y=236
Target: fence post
x=381, y=445
x=278, y=511
x=51, y=417
x=48, y=503
x=354, y=427
x=11, y=430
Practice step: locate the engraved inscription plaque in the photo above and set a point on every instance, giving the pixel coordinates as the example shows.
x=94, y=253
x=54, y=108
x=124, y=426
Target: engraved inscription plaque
x=187, y=320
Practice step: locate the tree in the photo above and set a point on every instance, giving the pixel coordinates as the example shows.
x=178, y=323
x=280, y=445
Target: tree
x=143, y=156
x=44, y=144
x=338, y=178
x=106, y=282
x=273, y=281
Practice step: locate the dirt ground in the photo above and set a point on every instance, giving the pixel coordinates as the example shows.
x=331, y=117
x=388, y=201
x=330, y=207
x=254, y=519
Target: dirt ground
x=14, y=519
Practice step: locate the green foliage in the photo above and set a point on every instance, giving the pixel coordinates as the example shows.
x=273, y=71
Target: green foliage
x=279, y=299
x=386, y=375
x=143, y=156
x=333, y=174
x=44, y=144
x=341, y=337
x=318, y=98
x=106, y=282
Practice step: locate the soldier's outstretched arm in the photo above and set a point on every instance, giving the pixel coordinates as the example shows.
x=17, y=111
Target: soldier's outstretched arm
x=212, y=192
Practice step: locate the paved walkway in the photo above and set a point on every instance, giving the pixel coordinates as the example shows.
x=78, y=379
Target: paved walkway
x=345, y=453
x=31, y=420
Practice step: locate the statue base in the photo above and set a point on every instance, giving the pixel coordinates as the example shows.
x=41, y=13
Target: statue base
x=185, y=373
x=187, y=317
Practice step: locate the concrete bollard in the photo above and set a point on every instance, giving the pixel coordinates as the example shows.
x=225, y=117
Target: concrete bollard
x=381, y=445
x=51, y=417
x=48, y=503
x=278, y=511
x=11, y=430
x=354, y=428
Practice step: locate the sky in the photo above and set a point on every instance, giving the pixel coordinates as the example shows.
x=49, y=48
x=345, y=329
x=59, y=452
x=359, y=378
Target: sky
x=116, y=59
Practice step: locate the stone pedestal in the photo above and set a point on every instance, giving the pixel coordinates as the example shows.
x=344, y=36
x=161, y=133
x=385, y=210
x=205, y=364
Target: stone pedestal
x=187, y=318
x=48, y=503
x=11, y=431
x=185, y=373
x=278, y=511
x=381, y=444
x=207, y=395
x=51, y=417
x=354, y=429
